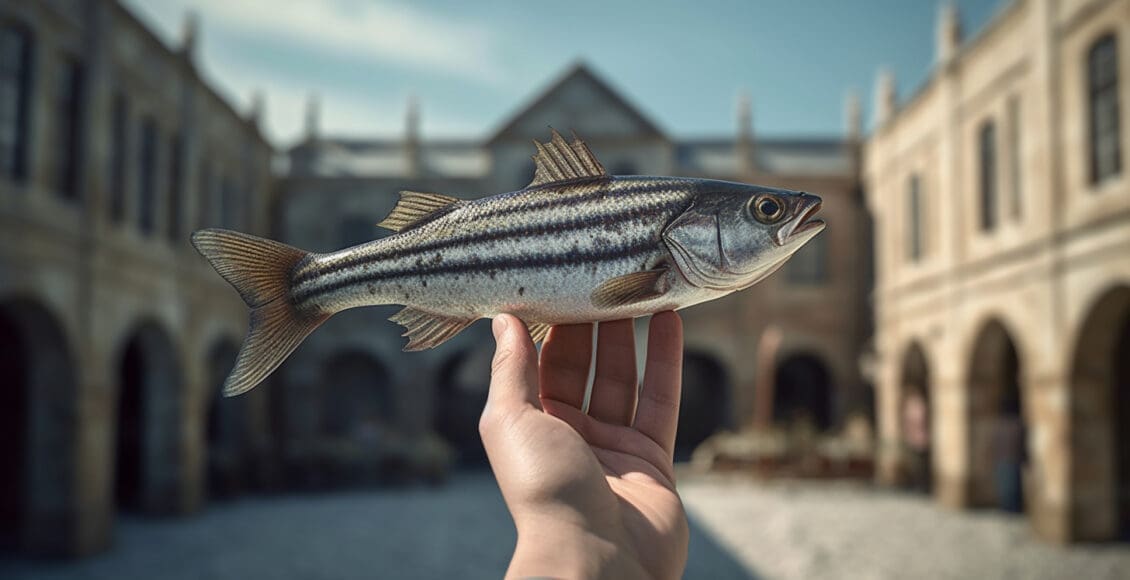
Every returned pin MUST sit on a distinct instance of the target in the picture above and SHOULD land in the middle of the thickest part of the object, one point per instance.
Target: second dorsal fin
(413, 207)
(559, 160)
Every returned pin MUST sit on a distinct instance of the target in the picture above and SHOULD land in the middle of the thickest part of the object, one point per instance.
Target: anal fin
(630, 288)
(426, 330)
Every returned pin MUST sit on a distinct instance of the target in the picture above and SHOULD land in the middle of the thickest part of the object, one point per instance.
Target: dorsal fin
(413, 207)
(559, 160)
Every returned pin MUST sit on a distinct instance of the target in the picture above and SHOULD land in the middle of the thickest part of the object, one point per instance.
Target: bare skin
(592, 495)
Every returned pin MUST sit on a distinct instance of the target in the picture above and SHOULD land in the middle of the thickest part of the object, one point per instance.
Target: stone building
(817, 304)
(113, 332)
(1001, 205)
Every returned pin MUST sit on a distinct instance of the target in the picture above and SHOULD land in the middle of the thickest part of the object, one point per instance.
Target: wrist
(557, 548)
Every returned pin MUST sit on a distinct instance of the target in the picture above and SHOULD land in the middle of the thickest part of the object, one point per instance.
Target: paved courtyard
(739, 530)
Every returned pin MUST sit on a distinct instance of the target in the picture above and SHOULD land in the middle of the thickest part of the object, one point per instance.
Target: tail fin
(260, 270)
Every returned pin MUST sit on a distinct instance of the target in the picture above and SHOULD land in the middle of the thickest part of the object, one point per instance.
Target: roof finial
(885, 98)
(412, 138)
(949, 31)
(853, 116)
(313, 116)
(745, 144)
(190, 32)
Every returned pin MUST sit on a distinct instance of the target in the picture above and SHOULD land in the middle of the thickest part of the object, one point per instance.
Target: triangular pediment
(578, 101)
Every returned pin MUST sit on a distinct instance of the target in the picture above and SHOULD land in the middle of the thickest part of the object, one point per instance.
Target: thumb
(514, 370)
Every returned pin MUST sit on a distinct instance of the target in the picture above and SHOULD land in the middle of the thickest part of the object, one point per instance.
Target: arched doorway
(227, 428)
(37, 431)
(361, 440)
(705, 401)
(149, 424)
(1100, 419)
(915, 420)
(998, 445)
(803, 392)
(464, 379)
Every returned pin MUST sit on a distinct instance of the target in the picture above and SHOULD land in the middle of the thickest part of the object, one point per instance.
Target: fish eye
(767, 209)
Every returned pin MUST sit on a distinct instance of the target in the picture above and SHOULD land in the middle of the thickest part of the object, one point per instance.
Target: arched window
(1102, 71)
(914, 218)
(987, 138)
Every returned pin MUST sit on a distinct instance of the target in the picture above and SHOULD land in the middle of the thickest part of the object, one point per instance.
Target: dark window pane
(228, 204)
(147, 177)
(119, 133)
(914, 219)
(15, 102)
(988, 175)
(808, 267)
(1106, 147)
(176, 186)
(205, 195)
(67, 137)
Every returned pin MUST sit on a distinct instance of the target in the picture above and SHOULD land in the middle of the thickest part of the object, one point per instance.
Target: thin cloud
(391, 33)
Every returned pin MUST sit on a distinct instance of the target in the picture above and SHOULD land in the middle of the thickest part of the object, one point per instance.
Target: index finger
(657, 415)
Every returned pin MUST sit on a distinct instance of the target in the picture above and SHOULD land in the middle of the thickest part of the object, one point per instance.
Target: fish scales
(588, 239)
(575, 245)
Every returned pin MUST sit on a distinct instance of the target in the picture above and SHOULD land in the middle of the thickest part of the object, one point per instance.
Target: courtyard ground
(740, 529)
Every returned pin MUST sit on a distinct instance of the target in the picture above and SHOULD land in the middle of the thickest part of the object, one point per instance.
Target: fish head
(734, 235)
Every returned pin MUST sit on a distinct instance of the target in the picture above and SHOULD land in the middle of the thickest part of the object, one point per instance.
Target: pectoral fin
(426, 330)
(630, 288)
(538, 331)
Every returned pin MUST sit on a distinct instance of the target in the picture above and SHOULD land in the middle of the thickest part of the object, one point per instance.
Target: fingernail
(499, 325)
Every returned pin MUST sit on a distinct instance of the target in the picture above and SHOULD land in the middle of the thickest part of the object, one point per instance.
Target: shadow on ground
(460, 530)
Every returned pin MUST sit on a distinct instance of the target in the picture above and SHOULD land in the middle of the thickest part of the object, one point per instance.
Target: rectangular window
(147, 177)
(988, 175)
(15, 102)
(204, 195)
(119, 146)
(808, 267)
(1015, 158)
(228, 204)
(914, 219)
(67, 134)
(176, 186)
(1106, 145)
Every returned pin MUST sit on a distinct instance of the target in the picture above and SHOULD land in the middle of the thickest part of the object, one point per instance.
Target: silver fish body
(576, 245)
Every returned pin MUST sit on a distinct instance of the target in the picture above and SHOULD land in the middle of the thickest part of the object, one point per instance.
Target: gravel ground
(740, 530)
(849, 530)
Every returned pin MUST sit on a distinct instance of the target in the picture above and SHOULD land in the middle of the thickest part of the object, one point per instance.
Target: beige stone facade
(112, 327)
(1001, 203)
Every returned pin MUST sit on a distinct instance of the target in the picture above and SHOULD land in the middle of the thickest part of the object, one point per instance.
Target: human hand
(592, 495)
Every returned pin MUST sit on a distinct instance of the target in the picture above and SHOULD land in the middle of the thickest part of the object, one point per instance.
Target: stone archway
(227, 435)
(38, 424)
(803, 391)
(464, 380)
(705, 403)
(150, 422)
(998, 442)
(357, 395)
(915, 420)
(1100, 420)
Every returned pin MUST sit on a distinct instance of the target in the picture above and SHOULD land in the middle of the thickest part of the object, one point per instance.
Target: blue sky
(470, 64)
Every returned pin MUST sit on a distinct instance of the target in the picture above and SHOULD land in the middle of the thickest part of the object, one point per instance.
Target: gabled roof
(578, 73)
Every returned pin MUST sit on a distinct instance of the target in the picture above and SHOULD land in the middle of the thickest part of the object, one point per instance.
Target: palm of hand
(608, 473)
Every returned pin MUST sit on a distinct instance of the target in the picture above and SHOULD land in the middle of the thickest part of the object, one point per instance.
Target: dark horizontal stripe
(393, 253)
(487, 265)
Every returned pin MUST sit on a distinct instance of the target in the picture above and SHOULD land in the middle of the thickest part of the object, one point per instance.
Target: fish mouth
(805, 222)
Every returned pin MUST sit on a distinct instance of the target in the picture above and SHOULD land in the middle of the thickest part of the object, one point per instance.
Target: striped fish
(575, 245)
